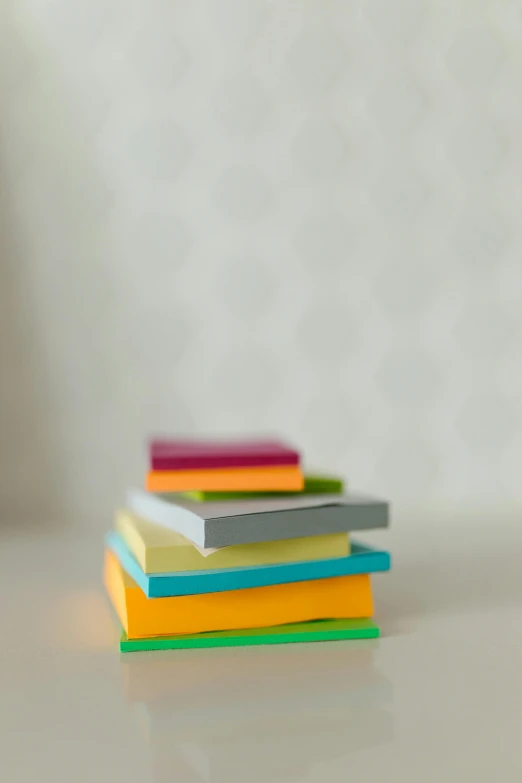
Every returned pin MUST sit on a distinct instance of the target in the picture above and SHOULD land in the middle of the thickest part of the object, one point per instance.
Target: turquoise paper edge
(363, 560)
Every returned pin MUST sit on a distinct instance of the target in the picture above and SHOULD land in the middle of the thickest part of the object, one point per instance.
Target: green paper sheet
(316, 631)
(314, 485)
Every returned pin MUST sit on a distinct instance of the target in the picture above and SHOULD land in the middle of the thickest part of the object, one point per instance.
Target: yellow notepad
(337, 597)
(160, 550)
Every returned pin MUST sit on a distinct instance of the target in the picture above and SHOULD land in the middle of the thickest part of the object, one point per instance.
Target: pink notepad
(190, 454)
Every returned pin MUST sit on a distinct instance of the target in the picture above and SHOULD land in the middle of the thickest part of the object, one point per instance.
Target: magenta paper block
(193, 454)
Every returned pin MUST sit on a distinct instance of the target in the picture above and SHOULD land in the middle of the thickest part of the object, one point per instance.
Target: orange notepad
(337, 597)
(287, 478)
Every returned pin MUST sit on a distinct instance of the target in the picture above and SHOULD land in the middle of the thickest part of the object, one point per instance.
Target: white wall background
(241, 215)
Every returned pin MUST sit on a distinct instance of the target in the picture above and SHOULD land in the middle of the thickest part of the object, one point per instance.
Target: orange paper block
(318, 599)
(287, 478)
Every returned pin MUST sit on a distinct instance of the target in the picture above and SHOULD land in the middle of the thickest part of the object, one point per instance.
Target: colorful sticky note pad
(158, 549)
(363, 561)
(141, 617)
(286, 478)
(229, 523)
(183, 454)
(314, 484)
(318, 631)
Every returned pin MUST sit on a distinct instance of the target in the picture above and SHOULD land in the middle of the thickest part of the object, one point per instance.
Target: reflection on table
(257, 714)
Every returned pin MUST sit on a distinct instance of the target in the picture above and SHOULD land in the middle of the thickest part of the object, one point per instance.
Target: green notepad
(316, 631)
(314, 485)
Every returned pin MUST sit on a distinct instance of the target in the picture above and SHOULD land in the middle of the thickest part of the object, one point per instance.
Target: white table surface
(437, 698)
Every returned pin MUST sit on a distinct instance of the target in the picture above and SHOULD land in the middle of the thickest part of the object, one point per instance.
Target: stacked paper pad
(231, 545)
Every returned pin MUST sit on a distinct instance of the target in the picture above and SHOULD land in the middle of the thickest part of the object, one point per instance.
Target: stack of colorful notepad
(240, 548)
(250, 466)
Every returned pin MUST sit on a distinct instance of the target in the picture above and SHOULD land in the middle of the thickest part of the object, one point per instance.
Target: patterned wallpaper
(249, 215)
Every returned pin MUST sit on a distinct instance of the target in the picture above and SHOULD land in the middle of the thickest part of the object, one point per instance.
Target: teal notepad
(362, 560)
(316, 631)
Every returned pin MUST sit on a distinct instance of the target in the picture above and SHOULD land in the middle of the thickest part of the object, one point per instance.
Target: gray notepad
(228, 523)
